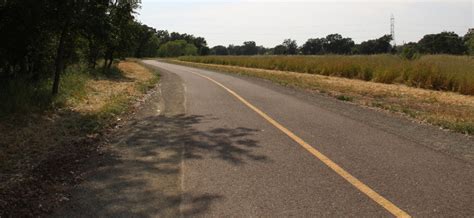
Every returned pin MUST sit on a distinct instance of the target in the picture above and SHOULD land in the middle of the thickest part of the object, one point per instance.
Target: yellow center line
(389, 206)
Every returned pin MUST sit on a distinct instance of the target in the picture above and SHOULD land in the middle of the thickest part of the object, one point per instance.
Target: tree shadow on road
(140, 176)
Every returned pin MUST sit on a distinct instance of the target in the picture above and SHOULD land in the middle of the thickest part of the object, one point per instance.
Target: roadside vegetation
(445, 109)
(437, 72)
(43, 146)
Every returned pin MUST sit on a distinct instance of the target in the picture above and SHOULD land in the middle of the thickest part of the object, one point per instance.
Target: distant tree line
(248, 48)
(441, 43)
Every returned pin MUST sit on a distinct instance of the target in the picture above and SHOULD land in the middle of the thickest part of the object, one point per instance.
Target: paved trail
(223, 145)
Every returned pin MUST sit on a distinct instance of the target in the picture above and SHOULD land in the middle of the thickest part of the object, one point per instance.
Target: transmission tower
(392, 28)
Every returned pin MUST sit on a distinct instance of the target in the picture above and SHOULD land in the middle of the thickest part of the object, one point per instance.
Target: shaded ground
(33, 183)
(44, 153)
(142, 176)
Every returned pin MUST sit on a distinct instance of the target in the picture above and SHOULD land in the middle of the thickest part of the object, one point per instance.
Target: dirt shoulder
(447, 110)
(45, 153)
(140, 172)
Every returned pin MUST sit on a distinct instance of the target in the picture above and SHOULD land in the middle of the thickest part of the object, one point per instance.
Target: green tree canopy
(249, 48)
(336, 44)
(469, 42)
(279, 50)
(313, 46)
(442, 43)
(376, 46)
(219, 50)
(177, 48)
(291, 46)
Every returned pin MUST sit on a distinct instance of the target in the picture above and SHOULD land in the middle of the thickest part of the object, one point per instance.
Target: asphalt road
(235, 146)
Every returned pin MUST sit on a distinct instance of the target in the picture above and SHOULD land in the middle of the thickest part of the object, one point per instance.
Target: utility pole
(392, 29)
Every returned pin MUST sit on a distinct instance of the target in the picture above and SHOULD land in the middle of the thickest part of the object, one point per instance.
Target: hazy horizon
(269, 22)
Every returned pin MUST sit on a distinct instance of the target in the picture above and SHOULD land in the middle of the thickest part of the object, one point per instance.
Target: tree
(94, 30)
(280, 50)
(234, 50)
(199, 42)
(261, 50)
(147, 43)
(442, 43)
(249, 48)
(65, 18)
(288, 47)
(163, 36)
(120, 31)
(190, 50)
(313, 46)
(291, 46)
(219, 50)
(469, 42)
(177, 48)
(40, 37)
(201, 45)
(336, 44)
(26, 40)
(376, 46)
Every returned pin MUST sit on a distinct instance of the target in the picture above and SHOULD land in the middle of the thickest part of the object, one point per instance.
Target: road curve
(242, 165)
(217, 145)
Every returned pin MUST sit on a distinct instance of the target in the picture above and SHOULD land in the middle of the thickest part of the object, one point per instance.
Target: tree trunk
(59, 62)
(108, 58)
(111, 60)
(93, 52)
(104, 67)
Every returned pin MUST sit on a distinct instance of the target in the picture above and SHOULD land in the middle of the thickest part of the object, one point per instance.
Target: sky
(269, 22)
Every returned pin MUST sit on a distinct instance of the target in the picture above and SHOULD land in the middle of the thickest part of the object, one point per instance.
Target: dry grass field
(436, 72)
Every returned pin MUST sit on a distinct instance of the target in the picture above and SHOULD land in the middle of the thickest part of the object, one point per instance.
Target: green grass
(21, 96)
(436, 72)
(72, 85)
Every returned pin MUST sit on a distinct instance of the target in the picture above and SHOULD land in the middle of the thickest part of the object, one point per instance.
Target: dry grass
(99, 92)
(446, 109)
(436, 72)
